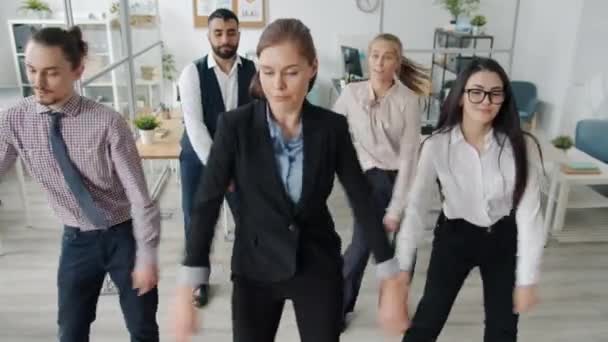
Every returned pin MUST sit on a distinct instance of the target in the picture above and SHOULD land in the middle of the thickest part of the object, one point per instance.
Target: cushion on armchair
(526, 98)
(592, 138)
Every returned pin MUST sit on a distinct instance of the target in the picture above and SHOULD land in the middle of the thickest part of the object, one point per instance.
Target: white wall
(564, 52)
(544, 53)
(334, 23)
(559, 48)
(414, 21)
(587, 90)
(321, 16)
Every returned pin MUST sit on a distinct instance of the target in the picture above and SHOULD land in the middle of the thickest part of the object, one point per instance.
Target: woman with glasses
(488, 173)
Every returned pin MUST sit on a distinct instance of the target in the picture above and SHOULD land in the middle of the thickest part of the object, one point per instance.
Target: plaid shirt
(101, 146)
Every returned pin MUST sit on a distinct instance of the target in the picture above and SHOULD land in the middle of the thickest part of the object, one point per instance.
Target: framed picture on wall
(202, 9)
(251, 13)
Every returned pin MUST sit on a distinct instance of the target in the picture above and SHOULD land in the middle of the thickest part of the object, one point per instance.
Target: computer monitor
(352, 61)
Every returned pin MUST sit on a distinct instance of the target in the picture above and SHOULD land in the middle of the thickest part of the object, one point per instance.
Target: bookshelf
(105, 47)
(101, 52)
(445, 67)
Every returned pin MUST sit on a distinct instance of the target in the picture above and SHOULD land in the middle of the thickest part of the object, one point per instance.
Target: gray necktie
(71, 174)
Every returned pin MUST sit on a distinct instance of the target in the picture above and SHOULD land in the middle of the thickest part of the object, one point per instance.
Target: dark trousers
(85, 259)
(192, 171)
(457, 248)
(317, 301)
(357, 254)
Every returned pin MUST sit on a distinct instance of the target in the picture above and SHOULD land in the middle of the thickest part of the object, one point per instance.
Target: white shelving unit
(105, 47)
(21, 29)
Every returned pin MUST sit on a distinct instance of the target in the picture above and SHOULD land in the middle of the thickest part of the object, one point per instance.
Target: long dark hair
(278, 32)
(505, 123)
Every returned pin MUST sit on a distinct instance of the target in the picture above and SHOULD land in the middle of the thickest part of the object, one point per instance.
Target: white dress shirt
(192, 106)
(477, 187)
(385, 133)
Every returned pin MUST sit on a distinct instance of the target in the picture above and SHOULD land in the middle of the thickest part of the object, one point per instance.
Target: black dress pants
(457, 248)
(317, 299)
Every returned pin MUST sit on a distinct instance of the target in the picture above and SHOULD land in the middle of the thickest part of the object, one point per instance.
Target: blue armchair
(591, 137)
(526, 98)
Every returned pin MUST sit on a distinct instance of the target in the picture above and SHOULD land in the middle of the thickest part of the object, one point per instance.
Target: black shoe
(200, 297)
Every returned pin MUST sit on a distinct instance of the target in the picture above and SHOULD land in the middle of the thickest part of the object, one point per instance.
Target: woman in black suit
(283, 152)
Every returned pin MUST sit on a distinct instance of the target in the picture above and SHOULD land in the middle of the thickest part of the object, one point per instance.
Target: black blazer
(275, 237)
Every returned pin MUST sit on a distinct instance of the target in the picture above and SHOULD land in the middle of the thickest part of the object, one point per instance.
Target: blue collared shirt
(289, 155)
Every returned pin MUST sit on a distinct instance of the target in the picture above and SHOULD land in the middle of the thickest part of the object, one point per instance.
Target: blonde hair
(410, 73)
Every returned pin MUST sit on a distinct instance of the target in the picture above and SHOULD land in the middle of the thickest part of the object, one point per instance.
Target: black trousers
(317, 301)
(457, 248)
(357, 254)
(192, 171)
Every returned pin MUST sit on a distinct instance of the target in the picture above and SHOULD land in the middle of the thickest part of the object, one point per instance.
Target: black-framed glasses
(477, 96)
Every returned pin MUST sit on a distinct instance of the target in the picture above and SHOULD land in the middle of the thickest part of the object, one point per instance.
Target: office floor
(574, 293)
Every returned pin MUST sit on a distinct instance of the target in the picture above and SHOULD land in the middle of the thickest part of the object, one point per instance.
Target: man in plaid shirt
(84, 156)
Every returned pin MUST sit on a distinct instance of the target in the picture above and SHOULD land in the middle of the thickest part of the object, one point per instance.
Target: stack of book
(580, 168)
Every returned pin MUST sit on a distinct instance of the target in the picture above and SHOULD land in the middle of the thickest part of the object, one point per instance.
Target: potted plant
(37, 7)
(169, 76)
(115, 14)
(478, 22)
(459, 7)
(114, 8)
(169, 69)
(563, 142)
(146, 124)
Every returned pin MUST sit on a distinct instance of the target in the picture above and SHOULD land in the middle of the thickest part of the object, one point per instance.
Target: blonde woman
(384, 115)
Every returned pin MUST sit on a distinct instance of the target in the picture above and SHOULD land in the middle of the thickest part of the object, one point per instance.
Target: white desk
(168, 148)
(568, 191)
(165, 148)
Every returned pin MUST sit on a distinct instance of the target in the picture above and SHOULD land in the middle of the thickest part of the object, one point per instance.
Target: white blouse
(385, 133)
(477, 187)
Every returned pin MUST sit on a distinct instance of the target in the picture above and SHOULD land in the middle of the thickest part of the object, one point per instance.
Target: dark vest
(211, 96)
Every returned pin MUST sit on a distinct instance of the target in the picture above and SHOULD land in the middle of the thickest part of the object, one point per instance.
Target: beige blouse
(385, 132)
